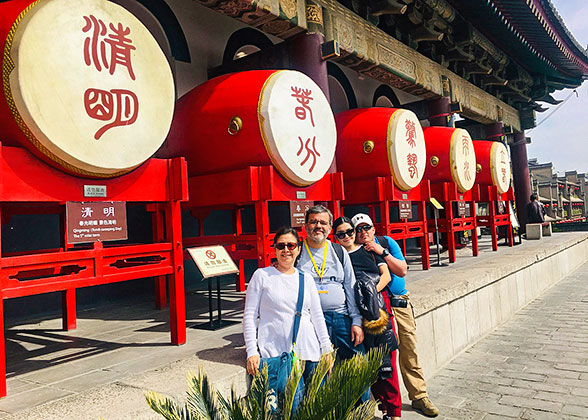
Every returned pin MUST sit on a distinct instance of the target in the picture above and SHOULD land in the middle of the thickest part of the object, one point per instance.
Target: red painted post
(450, 233)
(2, 351)
(177, 300)
(68, 297)
(475, 227)
(425, 260)
(262, 227)
(240, 276)
(158, 237)
(2, 338)
(68, 306)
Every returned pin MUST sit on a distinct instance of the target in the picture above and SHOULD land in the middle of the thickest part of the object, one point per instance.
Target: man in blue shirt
(412, 373)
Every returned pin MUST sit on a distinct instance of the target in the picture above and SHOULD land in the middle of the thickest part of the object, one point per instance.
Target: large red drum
(493, 166)
(85, 86)
(381, 142)
(450, 157)
(252, 118)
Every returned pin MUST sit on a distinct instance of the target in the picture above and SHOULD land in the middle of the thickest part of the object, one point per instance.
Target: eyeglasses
(348, 232)
(365, 228)
(281, 245)
(316, 221)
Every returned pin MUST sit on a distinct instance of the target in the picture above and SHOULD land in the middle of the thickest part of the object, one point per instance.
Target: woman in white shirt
(272, 295)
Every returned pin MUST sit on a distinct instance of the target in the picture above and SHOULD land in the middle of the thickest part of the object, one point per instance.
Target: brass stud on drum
(478, 168)
(434, 161)
(368, 146)
(235, 126)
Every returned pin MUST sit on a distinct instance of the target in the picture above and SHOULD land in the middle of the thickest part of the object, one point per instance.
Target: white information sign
(213, 261)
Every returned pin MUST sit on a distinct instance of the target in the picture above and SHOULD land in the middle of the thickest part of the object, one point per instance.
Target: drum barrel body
(10, 133)
(492, 163)
(200, 128)
(379, 142)
(450, 157)
(255, 118)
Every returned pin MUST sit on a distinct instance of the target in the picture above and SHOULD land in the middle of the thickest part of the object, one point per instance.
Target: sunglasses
(343, 233)
(280, 246)
(365, 228)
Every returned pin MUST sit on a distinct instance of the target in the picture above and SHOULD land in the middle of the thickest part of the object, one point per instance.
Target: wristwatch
(385, 253)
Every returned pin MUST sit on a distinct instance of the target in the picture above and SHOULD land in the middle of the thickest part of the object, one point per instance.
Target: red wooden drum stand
(494, 219)
(447, 194)
(493, 178)
(382, 193)
(382, 154)
(30, 186)
(259, 186)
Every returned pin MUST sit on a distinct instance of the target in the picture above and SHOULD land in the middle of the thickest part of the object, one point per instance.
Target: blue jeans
(339, 328)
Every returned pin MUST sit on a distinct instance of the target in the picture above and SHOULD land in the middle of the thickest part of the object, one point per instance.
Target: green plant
(329, 397)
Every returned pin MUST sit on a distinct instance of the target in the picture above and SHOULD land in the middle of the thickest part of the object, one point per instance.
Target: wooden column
(520, 174)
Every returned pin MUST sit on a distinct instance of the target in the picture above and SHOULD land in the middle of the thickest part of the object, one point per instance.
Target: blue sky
(562, 138)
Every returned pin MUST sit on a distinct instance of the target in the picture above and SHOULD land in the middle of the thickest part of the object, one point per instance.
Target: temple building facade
(564, 197)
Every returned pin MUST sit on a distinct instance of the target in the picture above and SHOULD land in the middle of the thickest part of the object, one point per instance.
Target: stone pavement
(535, 366)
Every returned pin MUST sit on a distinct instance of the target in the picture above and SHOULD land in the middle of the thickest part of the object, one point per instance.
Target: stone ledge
(441, 286)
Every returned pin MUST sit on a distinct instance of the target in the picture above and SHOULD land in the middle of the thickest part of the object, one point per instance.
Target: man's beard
(318, 236)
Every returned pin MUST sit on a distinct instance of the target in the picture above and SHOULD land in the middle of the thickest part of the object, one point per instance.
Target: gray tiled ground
(533, 367)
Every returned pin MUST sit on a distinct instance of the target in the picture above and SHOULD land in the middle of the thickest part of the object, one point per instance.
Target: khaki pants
(412, 373)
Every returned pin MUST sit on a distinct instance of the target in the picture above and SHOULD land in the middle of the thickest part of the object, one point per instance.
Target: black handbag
(280, 367)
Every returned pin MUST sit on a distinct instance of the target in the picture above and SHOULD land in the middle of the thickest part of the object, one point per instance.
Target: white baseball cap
(360, 218)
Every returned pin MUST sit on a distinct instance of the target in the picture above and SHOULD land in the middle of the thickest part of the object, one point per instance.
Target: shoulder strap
(298, 313)
(384, 242)
(339, 252)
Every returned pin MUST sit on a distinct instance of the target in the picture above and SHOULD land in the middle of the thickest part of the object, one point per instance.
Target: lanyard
(322, 272)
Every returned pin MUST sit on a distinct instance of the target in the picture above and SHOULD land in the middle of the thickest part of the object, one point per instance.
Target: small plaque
(301, 195)
(213, 261)
(405, 209)
(404, 196)
(461, 208)
(461, 198)
(94, 190)
(436, 204)
(298, 211)
(95, 221)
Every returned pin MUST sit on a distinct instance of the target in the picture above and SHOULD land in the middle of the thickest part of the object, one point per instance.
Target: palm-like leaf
(333, 398)
(203, 399)
(343, 388)
(290, 391)
(320, 372)
(167, 407)
(364, 412)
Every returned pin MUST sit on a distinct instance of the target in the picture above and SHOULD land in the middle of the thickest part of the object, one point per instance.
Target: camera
(398, 303)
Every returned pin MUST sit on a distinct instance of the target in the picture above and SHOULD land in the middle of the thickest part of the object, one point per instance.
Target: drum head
(88, 85)
(500, 167)
(297, 126)
(462, 160)
(407, 152)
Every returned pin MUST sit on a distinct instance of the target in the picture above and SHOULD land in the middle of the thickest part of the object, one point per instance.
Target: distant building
(564, 197)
